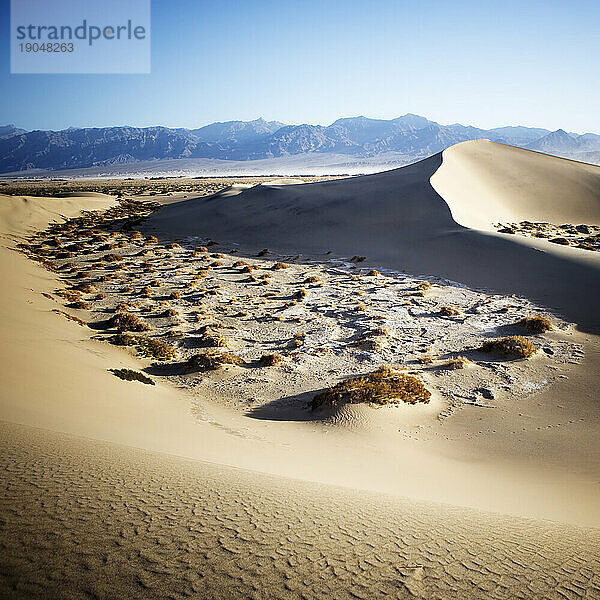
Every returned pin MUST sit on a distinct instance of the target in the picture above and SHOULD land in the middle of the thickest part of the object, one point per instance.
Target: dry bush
(213, 338)
(460, 362)
(112, 258)
(123, 321)
(300, 294)
(80, 305)
(217, 255)
(279, 265)
(424, 286)
(270, 360)
(384, 386)
(145, 346)
(535, 324)
(217, 263)
(513, 346)
(312, 279)
(129, 375)
(358, 258)
(211, 360)
(146, 292)
(249, 268)
(172, 246)
(175, 295)
(201, 249)
(86, 288)
(263, 252)
(239, 263)
(170, 312)
(449, 311)
(373, 273)
(151, 240)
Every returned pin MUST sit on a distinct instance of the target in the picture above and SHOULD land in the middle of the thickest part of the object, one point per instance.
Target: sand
(201, 493)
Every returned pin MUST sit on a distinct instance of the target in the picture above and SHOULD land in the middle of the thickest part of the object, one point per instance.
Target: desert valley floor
(219, 471)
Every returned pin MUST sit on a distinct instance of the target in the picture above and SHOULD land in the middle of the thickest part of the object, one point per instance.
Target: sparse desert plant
(513, 346)
(211, 360)
(300, 294)
(239, 263)
(151, 240)
(263, 252)
(361, 307)
(100, 296)
(146, 292)
(86, 288)
(383, 386)
(270, 360)
(130, 375)
(112, 257)
(172, 246)
(123, 321)
(424, 286)
(170, 312)
(217, 255)
(155, 283)
(535, 324)
(249, 268)
(358, 258)
(312, 279)
(460, 362)
(380, 331)
(217, 263)
(213, 338)
(449, 311)
(278, 266)
(201, 249)
(80, 305)
(373, 273)
(560, 240)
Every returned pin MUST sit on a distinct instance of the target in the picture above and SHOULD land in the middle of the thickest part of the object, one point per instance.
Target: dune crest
(484, 182)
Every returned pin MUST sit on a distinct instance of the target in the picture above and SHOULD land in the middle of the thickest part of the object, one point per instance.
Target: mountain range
(410, 136)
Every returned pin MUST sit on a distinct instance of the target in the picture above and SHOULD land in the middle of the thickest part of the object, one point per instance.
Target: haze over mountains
(408, 138)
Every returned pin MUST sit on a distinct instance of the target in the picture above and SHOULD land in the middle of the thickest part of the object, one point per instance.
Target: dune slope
(398, 220)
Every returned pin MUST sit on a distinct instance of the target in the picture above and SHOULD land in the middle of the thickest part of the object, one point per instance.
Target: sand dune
(276, 526)
(397, 219)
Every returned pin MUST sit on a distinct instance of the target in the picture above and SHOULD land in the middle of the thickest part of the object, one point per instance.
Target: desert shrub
(112, 258)
(513, 346)
(146, 292)
(123, 321)
(155, 283)
(361, 307)
(300, 294)
(123, 339)
(129, 375)
(100, 296)
(213, 338)
(211, 360)
(172, 246)
(270, 360)
(535, 324)
(69, 295)
(449, 311)
(170, 312)
(460, 362)
(358, 258)
(249, 268)
(239, 263)
(424, 286)
(80, 305)
(383, 386)
(201, 249)
(175, 295)
(560, 240)
(86, 288)
(217, 255)
(217, 263)
(279, 265)
(312, 279)
(152, 239)
(380, 331)
(263, 252)
(373, 273)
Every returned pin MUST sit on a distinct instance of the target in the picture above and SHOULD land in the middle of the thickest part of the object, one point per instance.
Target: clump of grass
(130, 375)
(123, 321)
(80, 305)
(86, 288)
(513, 346)
(535, 324)
(300, 294)
(112, 257)
(424, 286)
(69, 317)
(175, 295)
(172, 246)
(373, 273)
(238, 264)
(270, 360)
(145, 346)
(213, 338)
(278, 266)
(249, 268)
(383, 386)
(560, 240)
(460, 362)
(312, 279)
(211, 360)
(146, 292)
(152, 239)
(170, 312)
(449, 311)
(380, 331)
(69, 295)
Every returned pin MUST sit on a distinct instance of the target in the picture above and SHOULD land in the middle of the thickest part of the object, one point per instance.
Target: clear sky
(531, 62)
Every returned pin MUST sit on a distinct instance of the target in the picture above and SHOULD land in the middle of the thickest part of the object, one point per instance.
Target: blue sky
(474, 62)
